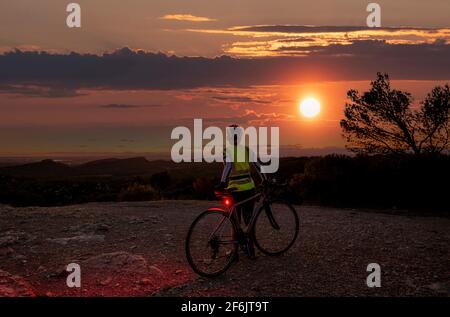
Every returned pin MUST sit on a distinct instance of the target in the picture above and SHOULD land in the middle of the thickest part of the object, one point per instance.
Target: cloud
(265, 40)
(27, 90)
(118, 106)
(186, 17)
(240, 99)
(256, 118)
(125, 69)
(126, 106)
(251, 117)
(308, 31)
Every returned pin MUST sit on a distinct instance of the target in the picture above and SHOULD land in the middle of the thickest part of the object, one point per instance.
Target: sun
(310, 107)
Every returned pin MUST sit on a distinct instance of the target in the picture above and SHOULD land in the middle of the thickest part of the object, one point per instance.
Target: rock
(90, 228)
(8, 240)
(20, 257)
(78, 239)
(156, 269)
(58, 273)
(6, 251)
(134, 221)
(102, 227)
(145, 281)
(14, 286)
(106, 282)
(41, 268)
(117, 261)
(440, 288)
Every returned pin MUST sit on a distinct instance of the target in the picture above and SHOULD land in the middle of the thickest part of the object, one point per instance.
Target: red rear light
(227, 201)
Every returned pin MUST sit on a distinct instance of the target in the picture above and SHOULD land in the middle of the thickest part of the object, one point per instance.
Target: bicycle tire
(189, 257)
(261, 212)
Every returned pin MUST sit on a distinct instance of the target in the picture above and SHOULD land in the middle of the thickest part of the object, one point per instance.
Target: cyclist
(236, 178)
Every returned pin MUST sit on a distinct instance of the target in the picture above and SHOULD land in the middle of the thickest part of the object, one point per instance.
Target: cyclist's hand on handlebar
(272, 182)
(269, 181)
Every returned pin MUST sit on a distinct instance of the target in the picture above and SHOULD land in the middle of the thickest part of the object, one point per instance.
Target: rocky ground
(137, 249)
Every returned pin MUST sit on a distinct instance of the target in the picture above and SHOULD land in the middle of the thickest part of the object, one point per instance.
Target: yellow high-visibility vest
(240, 178)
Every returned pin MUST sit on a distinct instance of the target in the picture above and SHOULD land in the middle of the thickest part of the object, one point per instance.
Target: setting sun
(310, 107)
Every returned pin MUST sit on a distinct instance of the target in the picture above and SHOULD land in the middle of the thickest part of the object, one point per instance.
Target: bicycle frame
(230, 211)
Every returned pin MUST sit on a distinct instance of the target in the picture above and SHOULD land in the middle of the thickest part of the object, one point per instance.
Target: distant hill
(122, 167)
(135, 166)
(104, 167)
(45, 168)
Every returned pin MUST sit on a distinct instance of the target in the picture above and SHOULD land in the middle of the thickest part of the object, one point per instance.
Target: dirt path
(138, 249)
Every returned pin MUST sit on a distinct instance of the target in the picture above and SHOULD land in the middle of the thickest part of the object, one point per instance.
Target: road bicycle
(213, 239)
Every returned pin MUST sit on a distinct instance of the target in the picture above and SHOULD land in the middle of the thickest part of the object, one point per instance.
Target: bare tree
(383, 120)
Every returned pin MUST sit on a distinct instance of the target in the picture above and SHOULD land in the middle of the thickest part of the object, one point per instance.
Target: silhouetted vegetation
(383, 120)
(403, 182)
(379, 181)
(161, 182)
(138, 192)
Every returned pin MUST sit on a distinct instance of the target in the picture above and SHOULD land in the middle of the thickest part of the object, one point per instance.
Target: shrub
(203, 188)
(138, 192)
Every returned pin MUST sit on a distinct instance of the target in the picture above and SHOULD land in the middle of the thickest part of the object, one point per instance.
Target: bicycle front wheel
(211, 246)
(276, 228)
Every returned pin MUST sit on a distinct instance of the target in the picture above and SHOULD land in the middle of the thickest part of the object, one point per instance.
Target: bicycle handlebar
(274, 184)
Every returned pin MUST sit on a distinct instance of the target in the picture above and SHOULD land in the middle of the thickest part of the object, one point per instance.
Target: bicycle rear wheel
(276, 228)
(210, 243)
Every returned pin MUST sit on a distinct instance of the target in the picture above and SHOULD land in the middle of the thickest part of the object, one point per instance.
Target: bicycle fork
(269, 213)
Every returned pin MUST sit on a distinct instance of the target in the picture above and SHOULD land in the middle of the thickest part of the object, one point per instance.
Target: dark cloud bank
(127, 69)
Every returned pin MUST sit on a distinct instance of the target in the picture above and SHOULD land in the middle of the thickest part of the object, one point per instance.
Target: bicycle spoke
(210, 244)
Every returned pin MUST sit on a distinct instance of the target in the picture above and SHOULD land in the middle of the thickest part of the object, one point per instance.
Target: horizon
(80, 158)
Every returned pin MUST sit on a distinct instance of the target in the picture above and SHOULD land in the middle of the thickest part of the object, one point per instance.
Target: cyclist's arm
(226, 171)
(227, 167)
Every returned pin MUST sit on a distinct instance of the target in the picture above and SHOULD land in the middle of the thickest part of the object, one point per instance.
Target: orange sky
(107, 103)
(140, 121)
